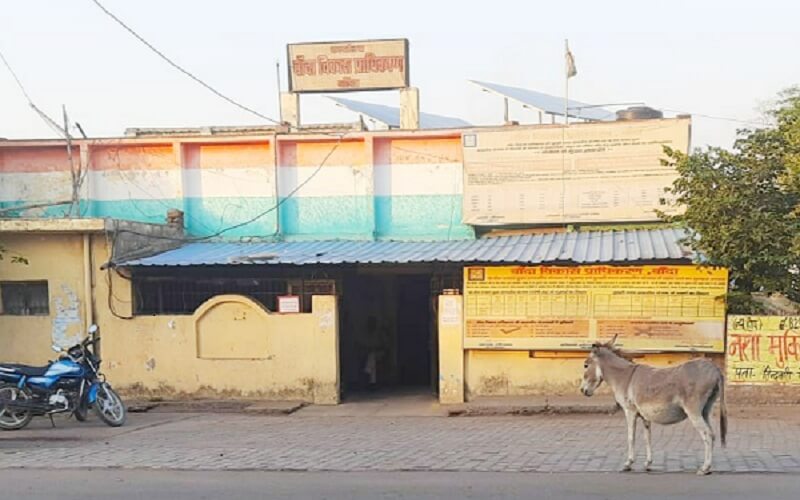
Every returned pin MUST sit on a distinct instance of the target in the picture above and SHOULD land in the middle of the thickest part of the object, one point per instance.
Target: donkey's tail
(723, 411)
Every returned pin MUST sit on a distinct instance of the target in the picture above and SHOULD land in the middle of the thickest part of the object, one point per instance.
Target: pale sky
(725, 58)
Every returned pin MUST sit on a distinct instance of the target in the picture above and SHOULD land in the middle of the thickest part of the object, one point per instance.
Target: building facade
(362, 230)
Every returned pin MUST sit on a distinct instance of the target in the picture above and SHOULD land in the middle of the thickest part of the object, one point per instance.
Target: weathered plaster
(67, 319)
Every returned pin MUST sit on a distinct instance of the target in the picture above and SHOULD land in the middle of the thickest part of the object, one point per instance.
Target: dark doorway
(413, 330)
(386, 337)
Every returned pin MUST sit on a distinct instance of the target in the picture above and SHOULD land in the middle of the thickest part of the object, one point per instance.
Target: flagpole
(566, 82)
(563, 133)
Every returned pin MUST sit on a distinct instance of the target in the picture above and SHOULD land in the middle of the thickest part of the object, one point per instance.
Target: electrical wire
(722, 118)
(16, 78)
(112, 241)
(271, 209)
(76, 176)
(49, 121)
(284, 199)
(444, 159)
(52, 123)
(124, 177)
(180, 68)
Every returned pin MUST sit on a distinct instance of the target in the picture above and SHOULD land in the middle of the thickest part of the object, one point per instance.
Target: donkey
(661, 395)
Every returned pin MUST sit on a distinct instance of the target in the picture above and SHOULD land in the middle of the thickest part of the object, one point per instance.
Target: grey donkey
(661, 395)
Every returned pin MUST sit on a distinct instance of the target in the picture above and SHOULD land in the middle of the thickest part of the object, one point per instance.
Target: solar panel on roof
(390, 115)
(551, 104)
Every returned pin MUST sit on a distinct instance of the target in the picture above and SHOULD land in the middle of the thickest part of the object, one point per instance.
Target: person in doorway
(375, 345)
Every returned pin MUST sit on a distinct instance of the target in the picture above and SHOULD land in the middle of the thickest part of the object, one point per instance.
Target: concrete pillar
(290, 108)
(409, 108)
(451, 349)
(325, 350)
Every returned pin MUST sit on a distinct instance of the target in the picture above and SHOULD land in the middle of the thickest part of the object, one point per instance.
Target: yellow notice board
(763, 350)
(650, 308)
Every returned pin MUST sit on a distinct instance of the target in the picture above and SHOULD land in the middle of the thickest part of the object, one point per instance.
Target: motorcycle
(71, 384)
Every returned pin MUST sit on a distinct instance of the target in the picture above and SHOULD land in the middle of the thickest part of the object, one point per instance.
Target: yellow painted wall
(295, 358)
(57, 258)
(516, 373)
(255, 353)
(466, 374)
(234, 327)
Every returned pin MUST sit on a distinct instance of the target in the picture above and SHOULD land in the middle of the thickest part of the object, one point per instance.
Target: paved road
(555, 443)
(174, 485)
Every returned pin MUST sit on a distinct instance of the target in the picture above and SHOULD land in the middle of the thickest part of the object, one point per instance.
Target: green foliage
(743, 205)
(14, 258)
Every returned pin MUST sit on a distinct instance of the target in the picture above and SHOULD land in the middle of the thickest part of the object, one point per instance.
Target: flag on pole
(571, 70)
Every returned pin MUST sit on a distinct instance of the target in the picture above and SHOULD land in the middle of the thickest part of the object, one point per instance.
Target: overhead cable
(49, 121)
(180, 68)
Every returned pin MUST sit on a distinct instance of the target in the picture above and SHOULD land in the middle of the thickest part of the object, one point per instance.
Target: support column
(409, 108)
(88, 310)
(451, 349)
(326, 384)
(290, 108)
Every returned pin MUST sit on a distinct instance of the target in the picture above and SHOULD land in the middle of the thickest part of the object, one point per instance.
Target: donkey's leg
(707, 409)
(704, 430)
(648, 448)
(631, 417)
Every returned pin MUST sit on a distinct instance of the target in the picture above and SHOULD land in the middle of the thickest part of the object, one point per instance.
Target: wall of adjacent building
(381, 185)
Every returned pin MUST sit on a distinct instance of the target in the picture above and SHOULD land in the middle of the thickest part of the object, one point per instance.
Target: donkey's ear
(613, 341)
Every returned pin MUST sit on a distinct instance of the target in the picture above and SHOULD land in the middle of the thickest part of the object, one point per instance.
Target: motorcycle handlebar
(90, 341)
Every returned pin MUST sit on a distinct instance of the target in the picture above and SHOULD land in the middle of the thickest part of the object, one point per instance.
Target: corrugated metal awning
(575, 247)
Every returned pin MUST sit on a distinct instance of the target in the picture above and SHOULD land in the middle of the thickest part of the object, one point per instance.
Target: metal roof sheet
(390, 115)
(548, 103)
(573, 247)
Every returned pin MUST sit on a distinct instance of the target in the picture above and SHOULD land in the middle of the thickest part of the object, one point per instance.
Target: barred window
(169, 295)
(24, 298)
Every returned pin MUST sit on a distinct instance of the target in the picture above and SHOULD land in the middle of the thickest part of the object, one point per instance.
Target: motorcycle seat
(27, 370)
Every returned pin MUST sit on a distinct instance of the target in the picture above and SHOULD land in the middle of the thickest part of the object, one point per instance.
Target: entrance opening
(414, 337)
(387, 335)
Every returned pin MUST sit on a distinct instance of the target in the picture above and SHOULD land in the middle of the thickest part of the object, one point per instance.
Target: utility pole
(74, 201)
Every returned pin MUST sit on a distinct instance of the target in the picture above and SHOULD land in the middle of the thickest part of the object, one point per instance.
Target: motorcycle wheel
(11, 420)
(109, 406)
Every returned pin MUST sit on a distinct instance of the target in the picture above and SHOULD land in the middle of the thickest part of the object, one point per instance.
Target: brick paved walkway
(539, 443)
